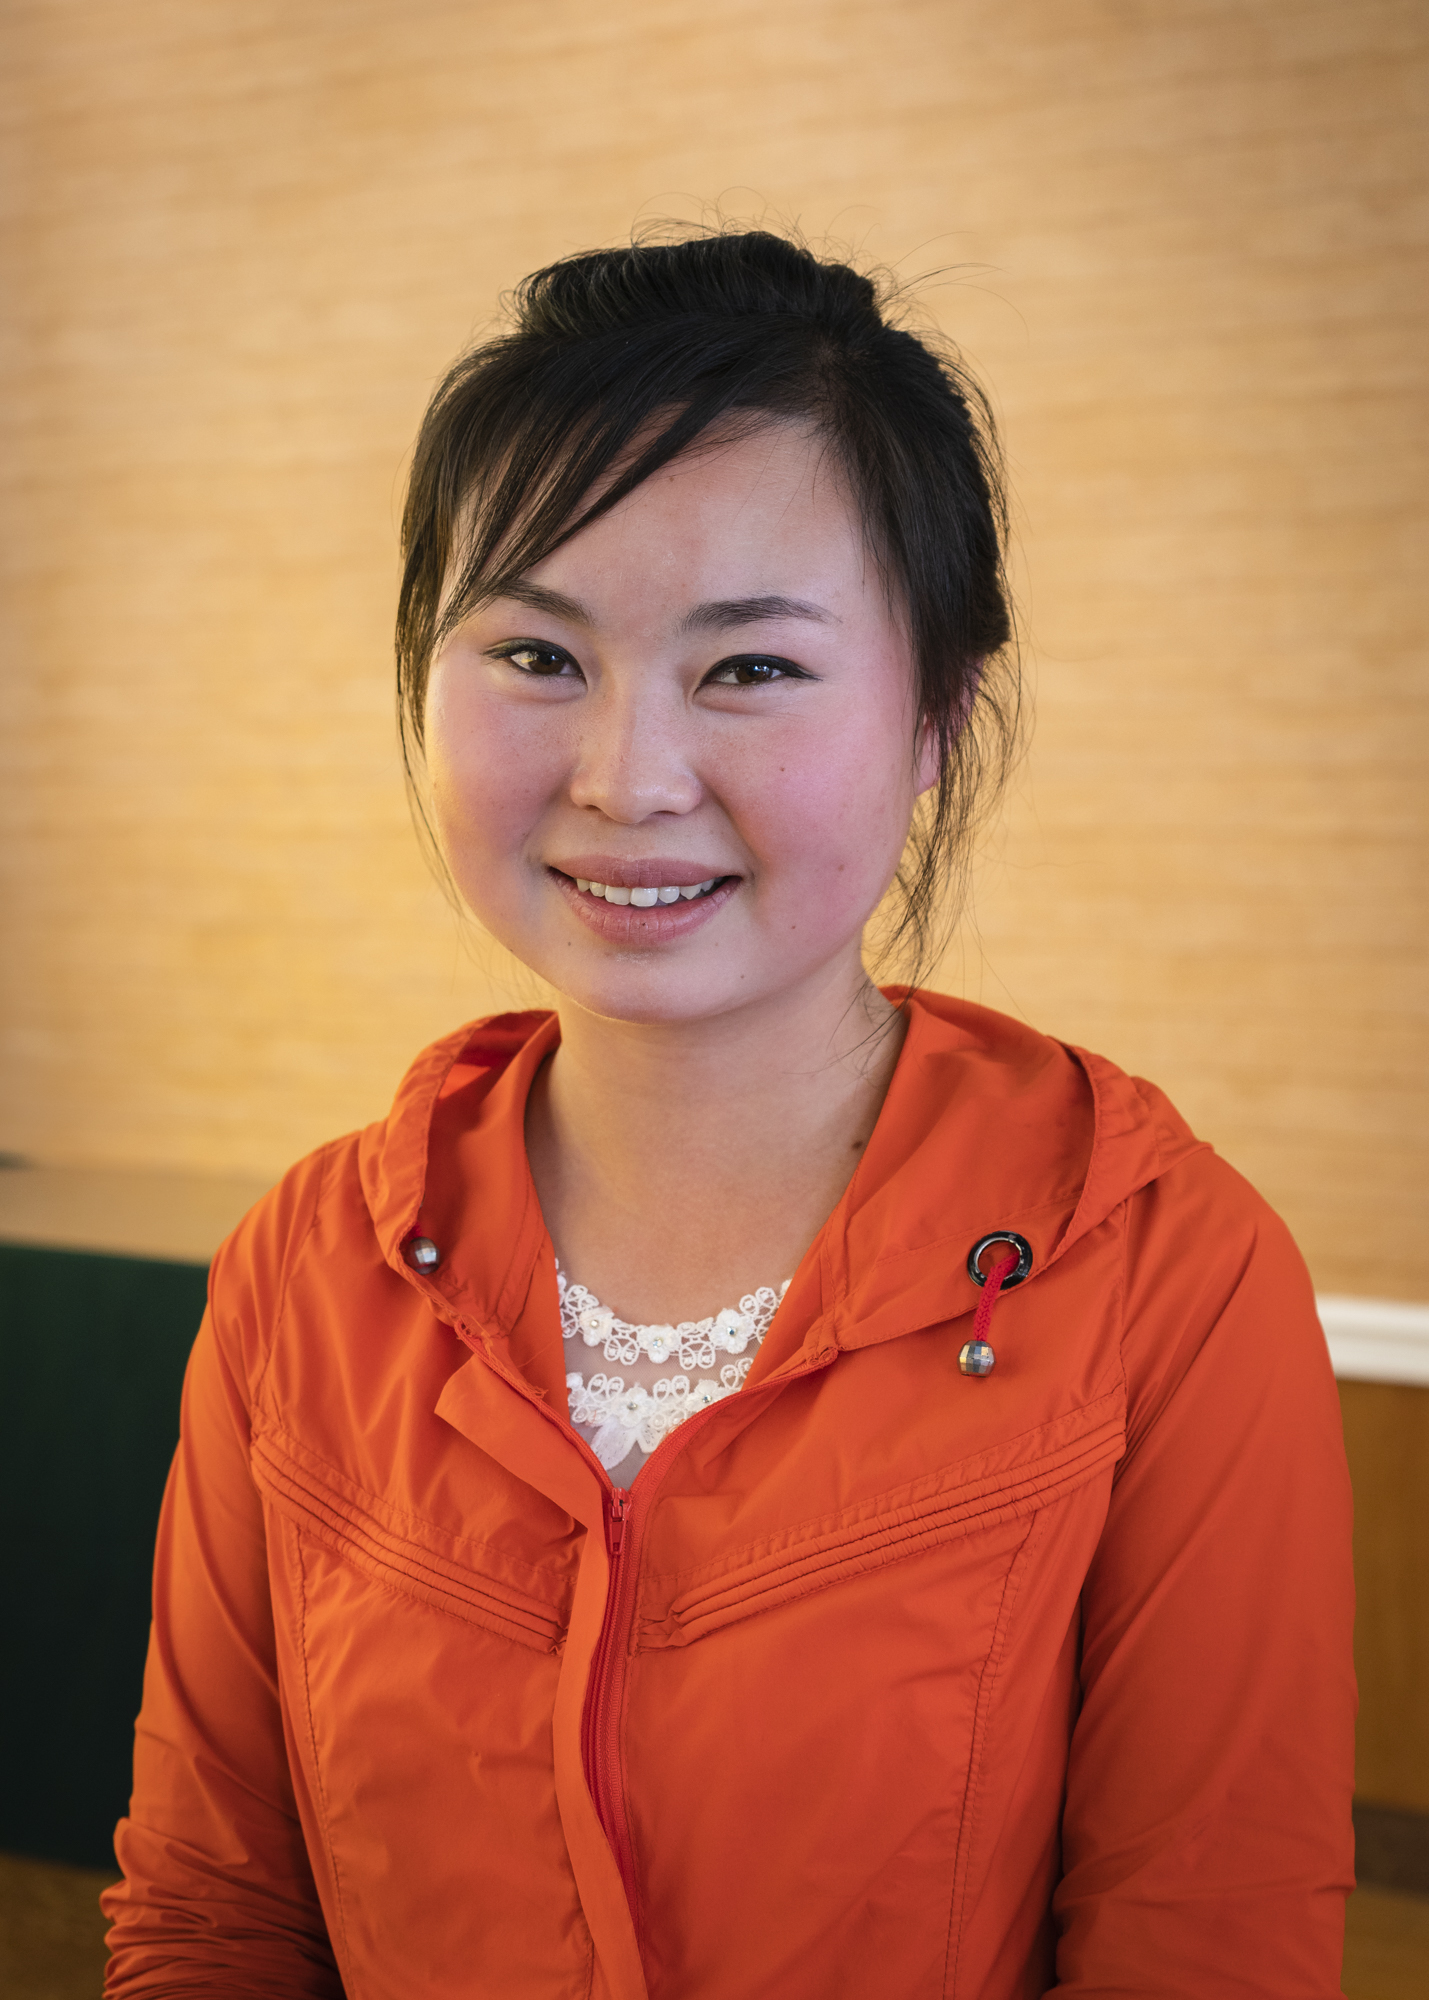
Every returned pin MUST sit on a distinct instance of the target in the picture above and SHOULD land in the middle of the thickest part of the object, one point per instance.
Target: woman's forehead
(751, 449)
(752, 511)
(764, 498)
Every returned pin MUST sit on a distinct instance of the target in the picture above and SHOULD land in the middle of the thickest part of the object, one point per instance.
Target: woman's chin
(639, 990)
(645, 997)
(647, 975)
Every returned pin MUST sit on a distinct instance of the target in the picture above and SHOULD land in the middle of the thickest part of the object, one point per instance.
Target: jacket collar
(987, 1125)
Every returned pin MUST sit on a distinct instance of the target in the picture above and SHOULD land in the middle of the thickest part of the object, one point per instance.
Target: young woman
(747, 1484)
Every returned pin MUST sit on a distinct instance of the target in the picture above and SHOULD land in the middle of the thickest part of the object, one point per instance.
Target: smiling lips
(657, 901)
(645, 898)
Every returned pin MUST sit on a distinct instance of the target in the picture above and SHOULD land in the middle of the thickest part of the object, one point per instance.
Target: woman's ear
(928, 764)
(928, 760)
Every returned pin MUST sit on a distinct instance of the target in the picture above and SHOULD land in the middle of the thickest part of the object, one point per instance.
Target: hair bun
(754, 274)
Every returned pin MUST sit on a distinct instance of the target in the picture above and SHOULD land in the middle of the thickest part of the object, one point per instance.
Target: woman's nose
(633, 760)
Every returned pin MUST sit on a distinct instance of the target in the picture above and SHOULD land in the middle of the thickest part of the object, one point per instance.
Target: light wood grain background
(1184, 242)
(1182, 239)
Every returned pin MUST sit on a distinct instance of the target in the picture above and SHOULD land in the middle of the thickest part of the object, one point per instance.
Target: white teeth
(645, 899)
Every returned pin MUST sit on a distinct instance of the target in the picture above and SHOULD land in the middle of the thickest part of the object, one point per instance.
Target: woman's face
(704, 703)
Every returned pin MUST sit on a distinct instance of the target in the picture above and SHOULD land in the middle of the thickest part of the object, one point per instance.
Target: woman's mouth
(647, 898)
(649, 913)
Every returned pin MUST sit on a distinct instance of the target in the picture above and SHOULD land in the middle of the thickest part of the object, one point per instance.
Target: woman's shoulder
(1115, 1145)
(354, 1197)
(253, 1269)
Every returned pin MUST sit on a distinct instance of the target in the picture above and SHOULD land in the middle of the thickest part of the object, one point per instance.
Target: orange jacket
(884, 1682)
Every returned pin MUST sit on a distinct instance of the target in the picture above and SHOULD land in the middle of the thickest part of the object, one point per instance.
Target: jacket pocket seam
(895, 1543)
(310, 1470)
(461, 1594)
(959, 1475)
(973, 1789)
(882, 1542)
(319, 1789)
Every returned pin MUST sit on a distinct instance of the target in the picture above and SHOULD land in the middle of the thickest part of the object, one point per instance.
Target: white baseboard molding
(1377, 1340)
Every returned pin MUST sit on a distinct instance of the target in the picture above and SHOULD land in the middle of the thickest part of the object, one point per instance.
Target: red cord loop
(997, 1277)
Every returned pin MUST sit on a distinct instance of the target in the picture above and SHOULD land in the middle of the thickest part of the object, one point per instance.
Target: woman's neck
(680, 1164)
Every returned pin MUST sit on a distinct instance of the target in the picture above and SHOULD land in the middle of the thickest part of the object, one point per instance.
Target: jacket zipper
(605, 1691)
(625, 1515)
(605, 1688)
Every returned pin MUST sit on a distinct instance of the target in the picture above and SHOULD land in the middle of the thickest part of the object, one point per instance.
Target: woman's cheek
(841, 806)
(491, 775)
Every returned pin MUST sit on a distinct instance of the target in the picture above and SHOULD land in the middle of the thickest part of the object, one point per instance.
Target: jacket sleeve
(1207, 1844)
(218, 1897)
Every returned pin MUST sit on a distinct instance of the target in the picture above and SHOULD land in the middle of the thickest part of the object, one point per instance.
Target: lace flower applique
(694, 1341)
(624, 1417)
(637, 1415)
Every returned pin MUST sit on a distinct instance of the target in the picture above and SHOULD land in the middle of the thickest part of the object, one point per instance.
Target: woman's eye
(533, 658)
(753, 672)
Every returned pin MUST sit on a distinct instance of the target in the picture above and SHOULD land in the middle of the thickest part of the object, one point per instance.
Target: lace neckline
(614, 1419)
(696, 1341)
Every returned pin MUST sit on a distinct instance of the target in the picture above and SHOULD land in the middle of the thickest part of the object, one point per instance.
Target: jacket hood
(987, 1125)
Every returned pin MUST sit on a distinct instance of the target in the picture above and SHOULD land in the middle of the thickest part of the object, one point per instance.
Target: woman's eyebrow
(718, 614)
(721, 614)
(536, 597)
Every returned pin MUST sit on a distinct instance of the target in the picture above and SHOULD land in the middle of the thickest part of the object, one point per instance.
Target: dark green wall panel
(92, 1354)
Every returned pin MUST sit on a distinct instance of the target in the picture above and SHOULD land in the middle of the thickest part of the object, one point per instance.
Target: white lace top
(623, 1417)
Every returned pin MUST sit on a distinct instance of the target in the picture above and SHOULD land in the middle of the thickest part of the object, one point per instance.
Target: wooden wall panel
(1387, 1439)
(241, 242)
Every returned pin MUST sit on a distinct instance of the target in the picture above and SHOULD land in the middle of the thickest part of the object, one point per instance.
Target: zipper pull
(615, 1521)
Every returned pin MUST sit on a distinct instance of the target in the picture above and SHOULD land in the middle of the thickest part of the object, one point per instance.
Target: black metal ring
(1018, 1243)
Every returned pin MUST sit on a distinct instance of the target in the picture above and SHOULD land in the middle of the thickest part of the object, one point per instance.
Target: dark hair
(633, 354)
